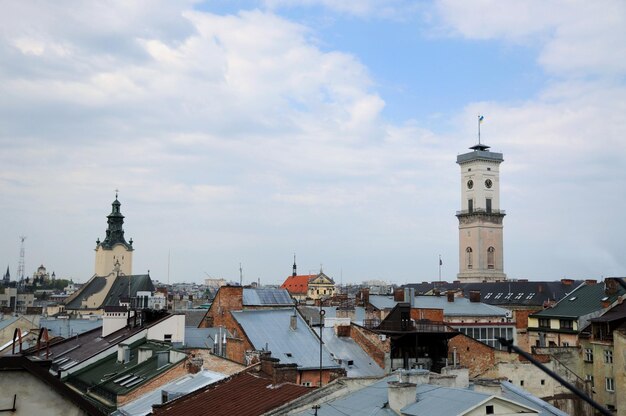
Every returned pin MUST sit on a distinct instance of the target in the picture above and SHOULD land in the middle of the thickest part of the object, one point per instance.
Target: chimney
(540, 288)
(610, 286)
(400, 395)
(162, 358)
(143, 354)
(567, 282)
(293, 322)
(590, 282)
(474, 296)
(398, 295)
(366, 296)
(123, 353)
(450, 294)
(280, 373)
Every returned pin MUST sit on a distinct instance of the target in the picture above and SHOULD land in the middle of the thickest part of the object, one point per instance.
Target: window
(588, 355)
(519, 296)
(306, 383)
(488, 205)
(489, 410)
(544, 323)
(565, 344)
(488, 295)
(167, 337)
(491, 257)
(567, 324)
(521, 382)
(543, 382)
(608, 356)
(530, 295)
(498, 296)
(508, 295)
(609, 384)
(589, 378)
(470, 205)
(468, 253)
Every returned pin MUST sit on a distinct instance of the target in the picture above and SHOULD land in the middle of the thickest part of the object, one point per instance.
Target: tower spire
(294, 273)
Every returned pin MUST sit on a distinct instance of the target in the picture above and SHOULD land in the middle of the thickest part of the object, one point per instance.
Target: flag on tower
(480, 119)
(440, 262)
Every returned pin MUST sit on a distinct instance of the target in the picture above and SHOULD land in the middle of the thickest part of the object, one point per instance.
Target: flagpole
(440, 268)
(478, 129)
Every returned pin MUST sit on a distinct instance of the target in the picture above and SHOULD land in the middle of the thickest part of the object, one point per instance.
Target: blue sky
(242, 132)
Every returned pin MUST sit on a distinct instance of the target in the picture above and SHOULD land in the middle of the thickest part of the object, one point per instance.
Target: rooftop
(460, 306)
(351, 356)
(247, 393)
(266, 297)
(297, 284)
(270, 330)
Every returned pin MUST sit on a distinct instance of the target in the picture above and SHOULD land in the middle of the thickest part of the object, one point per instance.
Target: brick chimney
(400, 395)
(591, 282)
(567, 282)
(280, 373)
(610, 286)
(398, 295)
(474, 296)
(293, 321)
(450, 295)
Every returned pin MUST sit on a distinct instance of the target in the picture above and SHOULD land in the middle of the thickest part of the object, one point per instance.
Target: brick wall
(371, 343)
(474, 355)
(434, 315)
(236, 349)
(228, 298)
(313, 376)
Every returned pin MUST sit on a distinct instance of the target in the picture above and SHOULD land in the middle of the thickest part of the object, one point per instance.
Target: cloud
(574, 38)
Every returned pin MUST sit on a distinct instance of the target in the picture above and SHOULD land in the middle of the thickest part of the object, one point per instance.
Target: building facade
(481, 256)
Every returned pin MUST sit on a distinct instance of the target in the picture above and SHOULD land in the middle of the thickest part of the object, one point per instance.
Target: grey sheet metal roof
(582, 301)
(521, 396)
(266, 297)
(460, 306)
(68, 327)
(269, 329)
(202, 337)
(187, 384)
(7, 322)
(94, 285)
(356, 362)
(371, 400)
(449, 401)
(119, 289)
(193, 317)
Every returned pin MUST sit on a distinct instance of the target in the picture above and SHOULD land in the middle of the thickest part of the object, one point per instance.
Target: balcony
(481, 211)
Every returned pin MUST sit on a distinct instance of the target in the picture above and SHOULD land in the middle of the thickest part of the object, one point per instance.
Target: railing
(481, 211)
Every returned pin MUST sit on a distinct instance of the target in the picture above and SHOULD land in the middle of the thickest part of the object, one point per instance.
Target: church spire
(295, 273)
(115, 229)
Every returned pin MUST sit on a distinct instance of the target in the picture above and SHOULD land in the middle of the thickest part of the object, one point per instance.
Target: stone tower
(114, 253)
(481, 255)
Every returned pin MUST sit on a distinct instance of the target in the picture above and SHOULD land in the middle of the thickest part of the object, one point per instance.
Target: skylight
(572, 298)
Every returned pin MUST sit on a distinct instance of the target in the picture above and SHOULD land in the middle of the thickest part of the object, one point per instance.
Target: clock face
(488, 183)
(470, 184)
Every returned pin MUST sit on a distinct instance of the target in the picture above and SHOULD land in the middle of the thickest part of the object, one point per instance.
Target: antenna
(240, 275)
(21, 266)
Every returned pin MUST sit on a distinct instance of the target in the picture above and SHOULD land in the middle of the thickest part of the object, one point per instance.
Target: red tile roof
(297, 285)
(248, 393)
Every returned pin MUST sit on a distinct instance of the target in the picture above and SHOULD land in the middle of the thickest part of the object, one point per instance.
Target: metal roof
(266, 297)
(243, 394)
(184, 385)
(460, 306)
(582, 301)
(356, 362)
(370, 400)
(449, 401)
(8, 322)
(203, 337)
(269, 329)
(69, 327)
(520, 395)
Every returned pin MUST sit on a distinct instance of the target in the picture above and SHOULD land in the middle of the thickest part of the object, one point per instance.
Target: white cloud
(575, 37)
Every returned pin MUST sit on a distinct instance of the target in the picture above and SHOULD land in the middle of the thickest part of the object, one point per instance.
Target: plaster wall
(34, 397)
(106, 260)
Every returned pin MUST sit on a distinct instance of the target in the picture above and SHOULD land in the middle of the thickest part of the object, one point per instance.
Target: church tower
(481, 256)
(114, 253)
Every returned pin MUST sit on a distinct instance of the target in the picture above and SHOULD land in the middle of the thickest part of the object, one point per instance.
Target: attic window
(572, 298)
(488, 295)
(519, 296)
(530, 295)
(508, 295)
(498, 296)
(604, 299)
(288, 354)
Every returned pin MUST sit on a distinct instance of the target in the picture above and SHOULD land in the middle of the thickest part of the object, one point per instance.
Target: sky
(244, 132)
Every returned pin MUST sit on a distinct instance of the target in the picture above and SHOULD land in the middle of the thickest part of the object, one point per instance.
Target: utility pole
(21, 267)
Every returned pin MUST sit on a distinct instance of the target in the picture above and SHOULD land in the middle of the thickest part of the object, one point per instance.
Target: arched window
(491, 257)
(468, 255)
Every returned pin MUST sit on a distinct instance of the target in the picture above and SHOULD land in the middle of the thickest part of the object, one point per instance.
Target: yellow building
(321, 286)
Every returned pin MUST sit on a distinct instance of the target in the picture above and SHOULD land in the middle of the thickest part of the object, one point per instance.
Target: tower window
(491, 257)
(468, 254)
(470, 205)
(488, 205)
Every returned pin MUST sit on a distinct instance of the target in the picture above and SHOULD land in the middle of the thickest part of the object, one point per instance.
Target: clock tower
(481, 256)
